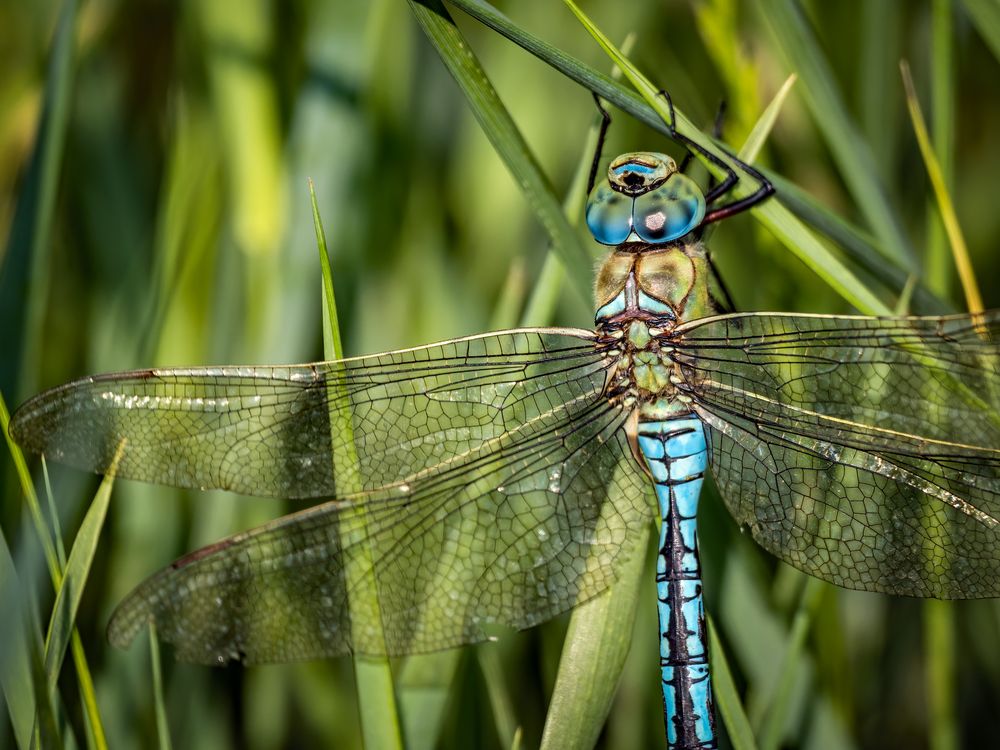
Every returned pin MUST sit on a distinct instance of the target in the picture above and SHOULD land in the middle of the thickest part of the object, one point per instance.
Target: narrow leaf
(380, 725)
(78, 565)
(727, 698)
(499, 127)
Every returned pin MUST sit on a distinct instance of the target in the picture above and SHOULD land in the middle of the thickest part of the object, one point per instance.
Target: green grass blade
(499, 127)
(598, 640)
(878, 91)
(159, 706)
(15, 647)
(424, 687)
(88, 695)
(938, 268)
(791, 663)
(380, 725)
(782, 223)
(727, 699)
(985, 15)
(25, 272)
(74, 579)
(795, 40)
(959, 250)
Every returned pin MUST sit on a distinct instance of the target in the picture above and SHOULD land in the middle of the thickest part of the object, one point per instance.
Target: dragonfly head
(645, 199)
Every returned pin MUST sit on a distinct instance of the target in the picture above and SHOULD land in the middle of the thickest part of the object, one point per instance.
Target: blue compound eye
(609, 215)
(669, 212)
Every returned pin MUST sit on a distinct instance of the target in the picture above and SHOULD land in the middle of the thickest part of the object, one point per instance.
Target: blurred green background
(178, 230)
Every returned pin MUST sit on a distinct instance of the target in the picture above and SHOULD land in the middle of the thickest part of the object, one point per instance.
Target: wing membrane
(493, 487)
(865, 451)
(266, 430)
(523, 528)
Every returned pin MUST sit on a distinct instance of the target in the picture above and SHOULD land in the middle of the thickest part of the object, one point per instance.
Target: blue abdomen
(676, 455)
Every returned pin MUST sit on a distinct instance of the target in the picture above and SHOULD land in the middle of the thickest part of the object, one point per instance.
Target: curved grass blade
(959, 250)
(727, 698)
(376, 697)
(15, 648)
(596, 645)
(88, 696)
(851, 153)
(499, 127)
(74, 578)
(985, 15)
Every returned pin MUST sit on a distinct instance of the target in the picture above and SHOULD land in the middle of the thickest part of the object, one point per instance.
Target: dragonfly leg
(602, 136)
(720, 116)
(764, 186)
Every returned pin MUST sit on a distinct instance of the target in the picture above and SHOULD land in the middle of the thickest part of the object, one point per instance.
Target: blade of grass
(159, 707)
(728, 699)
(781, 703)
(15, 647)
(879, 27)
(88, 695)
(74, 578)
(959, 250)
(778, 219)
(380, 725)
(938, 268)
(499, 127)
(597, 642)
(795, 40)
(25, 273)
(985, 15)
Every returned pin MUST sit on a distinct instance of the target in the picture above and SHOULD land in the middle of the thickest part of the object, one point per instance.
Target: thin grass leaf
(795, 40)
(940, 680)
(424, 689)
(380, 725)
(765, 124)
(24, 276)
(597, 642)
(985, 15)
(499, 127)
(501, 700)
(792, 663)
(959, 250)
(74, 579)
(159, 706)
(95, 726)
(727, 699)
(778, 219)
(938, 267)
(878, 100)
(15, 647)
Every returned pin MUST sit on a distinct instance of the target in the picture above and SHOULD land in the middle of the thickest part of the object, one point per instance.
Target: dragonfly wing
(267, 430)
(523, 528)
(864, 451)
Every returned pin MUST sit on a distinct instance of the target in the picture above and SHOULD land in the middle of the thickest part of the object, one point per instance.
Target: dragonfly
(503, 478)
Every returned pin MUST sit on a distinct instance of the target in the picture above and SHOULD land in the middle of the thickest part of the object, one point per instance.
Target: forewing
(525, 526)
(865, 451)
(266, 430)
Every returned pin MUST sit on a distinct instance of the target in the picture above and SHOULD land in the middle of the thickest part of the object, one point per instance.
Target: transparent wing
(266, 430)
(497, 490)
(865, 451)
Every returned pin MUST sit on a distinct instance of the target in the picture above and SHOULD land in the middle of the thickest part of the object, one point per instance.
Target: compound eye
(669, 212)
(609, 215)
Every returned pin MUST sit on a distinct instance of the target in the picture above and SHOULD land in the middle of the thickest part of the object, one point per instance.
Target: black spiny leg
(601, 137)
(764, 186)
